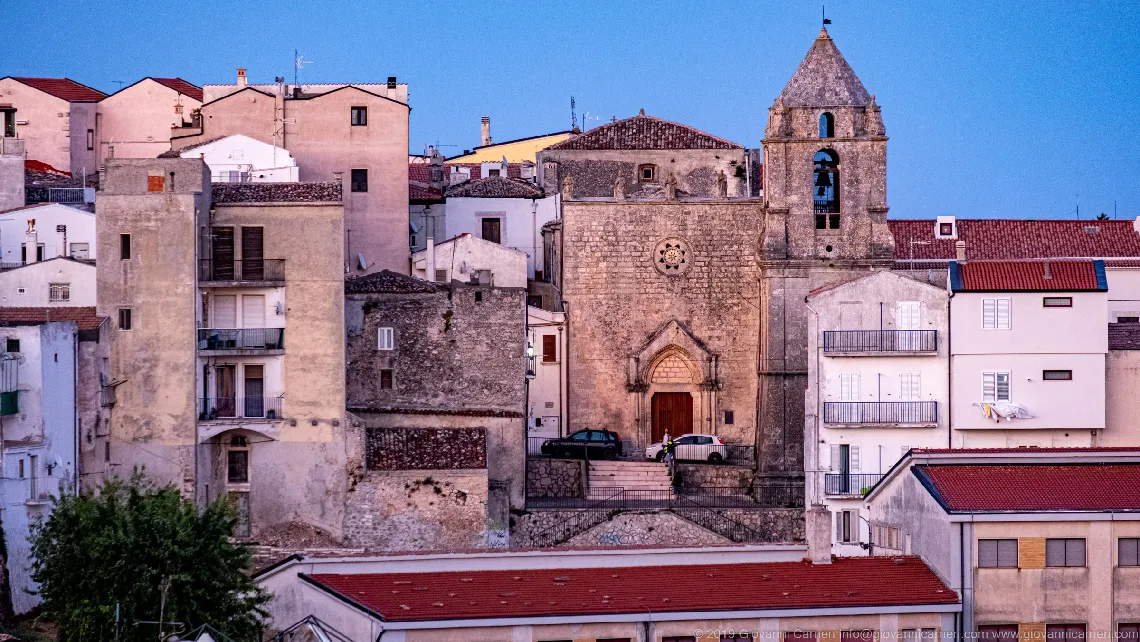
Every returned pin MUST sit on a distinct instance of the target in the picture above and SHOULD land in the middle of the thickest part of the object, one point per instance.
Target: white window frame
(909, 315)
(996, 377)
(910, 386)
(385, 339)
(996, 304)
(59, 292)
(849, 386)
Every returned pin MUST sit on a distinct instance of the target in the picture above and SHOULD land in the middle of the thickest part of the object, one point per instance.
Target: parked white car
(691, 447)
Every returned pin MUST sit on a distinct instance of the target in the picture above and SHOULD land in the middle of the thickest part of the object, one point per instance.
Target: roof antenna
(298, 63)
(573, 116)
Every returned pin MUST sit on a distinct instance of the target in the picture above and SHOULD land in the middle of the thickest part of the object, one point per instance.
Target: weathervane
(825, 20)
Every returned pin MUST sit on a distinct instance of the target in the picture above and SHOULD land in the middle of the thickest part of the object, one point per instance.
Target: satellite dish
(363, 263)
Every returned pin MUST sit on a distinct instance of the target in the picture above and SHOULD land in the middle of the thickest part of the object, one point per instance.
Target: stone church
(684, 287)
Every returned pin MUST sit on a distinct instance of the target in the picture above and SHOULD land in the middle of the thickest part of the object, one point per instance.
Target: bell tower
(825, 222)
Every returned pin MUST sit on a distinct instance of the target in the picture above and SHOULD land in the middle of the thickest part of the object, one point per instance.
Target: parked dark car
(592, 444)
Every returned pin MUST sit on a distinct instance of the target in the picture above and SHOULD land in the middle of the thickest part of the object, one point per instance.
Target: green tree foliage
(127, 543)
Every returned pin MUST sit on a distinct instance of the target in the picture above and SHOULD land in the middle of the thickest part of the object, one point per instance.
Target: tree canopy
(150, 552)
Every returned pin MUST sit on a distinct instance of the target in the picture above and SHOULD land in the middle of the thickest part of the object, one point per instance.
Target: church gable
(642, 133)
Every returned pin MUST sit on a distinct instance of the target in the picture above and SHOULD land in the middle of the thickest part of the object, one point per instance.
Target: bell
(823, 179)
(821, 191)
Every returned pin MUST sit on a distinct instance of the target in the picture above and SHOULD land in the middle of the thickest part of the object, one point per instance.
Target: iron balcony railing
(880, 412)
(221, 408)
(239, 270)
(242, 339)
(880, 341)
(826, 206)
(850, 484)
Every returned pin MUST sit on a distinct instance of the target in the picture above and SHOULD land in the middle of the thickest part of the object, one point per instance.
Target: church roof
(824, 79)
(644, 132)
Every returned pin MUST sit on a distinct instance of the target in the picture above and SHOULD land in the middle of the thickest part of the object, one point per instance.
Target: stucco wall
(418, 510)
(137, 120)
(520, 222)
(1121, 416)
(46, 135)
(14, 226)
(36, 280)
(12, 194)
(459, 258)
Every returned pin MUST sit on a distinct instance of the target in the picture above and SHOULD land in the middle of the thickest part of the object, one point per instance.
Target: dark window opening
(124, 318)
(124, 247)
(997, 553)
(1065, 632)
(534, 300)
(826, 125)
(946, 229)
(1128, 319)
(385, 379)
(1129, 632)
(90, 139)
(9, 122)
(478, 297)
(237, 469)
(549, 348)
(729, 417)
(492, 230)
(1128, 551)
(359, 116)
(1057, 302)
(13, 345)
(647, 173)
(826, 184)
(107, 450)
(24, 253)
(493, 172)
(359, 180)
(997, 633)
(1065, 551)
(1057, 375)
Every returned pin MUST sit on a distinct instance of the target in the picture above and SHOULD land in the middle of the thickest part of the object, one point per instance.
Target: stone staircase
(629, 475)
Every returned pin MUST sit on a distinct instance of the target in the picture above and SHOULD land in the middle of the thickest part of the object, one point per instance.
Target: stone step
(623, 465)
(632, 478)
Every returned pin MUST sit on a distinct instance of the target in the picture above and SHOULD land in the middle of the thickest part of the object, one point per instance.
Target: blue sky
(994, 108)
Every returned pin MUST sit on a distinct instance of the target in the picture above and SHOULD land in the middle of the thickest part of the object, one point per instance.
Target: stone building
(435, 373)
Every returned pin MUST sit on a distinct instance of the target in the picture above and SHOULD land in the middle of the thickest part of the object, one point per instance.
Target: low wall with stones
(418, 510)
(697, 476)
(554, 477)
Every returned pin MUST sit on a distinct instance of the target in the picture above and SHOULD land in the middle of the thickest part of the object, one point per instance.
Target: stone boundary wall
(425, 448)
(546, 477)
(697, 476)
(418, 510)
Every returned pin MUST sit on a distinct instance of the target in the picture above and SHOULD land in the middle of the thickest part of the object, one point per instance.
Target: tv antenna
(573, 116)
(586, 118)
(120, 84)
(298, 63)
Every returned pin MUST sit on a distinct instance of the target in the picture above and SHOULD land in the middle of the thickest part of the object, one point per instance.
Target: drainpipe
(429, 258)
(949, 372)
(75, 411)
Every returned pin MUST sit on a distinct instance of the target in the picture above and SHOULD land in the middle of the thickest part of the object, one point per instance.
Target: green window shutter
(9, 403)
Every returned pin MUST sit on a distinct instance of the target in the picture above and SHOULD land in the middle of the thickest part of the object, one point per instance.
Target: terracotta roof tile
(387, 282)
(1124, 336)
(421, 193)
(1027, 276)
(1033, 487)
(847, 581)
(1009, 239)
(181, 86)
(644, 132)
(177, 153)
(326, 192)
(84, 317)
(495, 187)
(64, 88)
(824, 79)
(1025, 450)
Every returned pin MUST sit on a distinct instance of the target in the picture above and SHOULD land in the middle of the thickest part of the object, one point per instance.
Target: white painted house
(57, 282)
(546, 375)
(241, 159)
(469, 258)
(1028, 353)
(52, 229)
(877, 386)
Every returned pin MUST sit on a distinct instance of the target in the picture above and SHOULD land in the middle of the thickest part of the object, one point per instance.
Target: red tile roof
(1005, 239)
(1033, 487)
(1124, 336)
(181, 86)
(85, 317)
(317, 192)
(421, 193)
(1027, 276)
(495, 187)
(64, 88)
(848, 581)
(1025, 450)
(644, 132)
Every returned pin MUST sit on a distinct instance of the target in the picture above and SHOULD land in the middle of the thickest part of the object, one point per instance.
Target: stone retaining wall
(697, 476)
(554, 477)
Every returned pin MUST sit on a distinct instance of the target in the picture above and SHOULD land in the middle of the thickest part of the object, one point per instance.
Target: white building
(546, 374)
(1028, 352)
(53, 229)
(57, 282)
(241, 159)
(508, 211)
(466, 258)
(877, 386)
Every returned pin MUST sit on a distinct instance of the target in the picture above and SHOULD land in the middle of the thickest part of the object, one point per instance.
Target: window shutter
(1003, 314)
(849, 386)
(1054, 552)
(989, 314)
(1075, 552)
(1128, 551)
(839, 526)
(253, 311)
(989, 388)
(910, 386)
(1007, 553)
(987, 553)
(836, 457)
(549, 348)
(224, 308)
(854, 455)
(1002, 386)
(909, 316)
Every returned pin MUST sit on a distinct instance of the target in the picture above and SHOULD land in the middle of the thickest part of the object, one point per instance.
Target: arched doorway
(672, 414)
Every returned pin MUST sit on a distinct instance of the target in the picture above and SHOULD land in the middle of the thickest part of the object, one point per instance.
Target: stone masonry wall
(417, 510)
(554, 477)
(695, 477)
(425, 448)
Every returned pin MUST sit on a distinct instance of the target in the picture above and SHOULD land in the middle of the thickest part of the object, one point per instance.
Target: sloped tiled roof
(322, 192)
(495, 187)
(1124, 336)
(846, 582)
(644, 132)
(824, 79)
(421, 193)
(1028, 450)
(177, 153)
(1033, 487)
(387, 282)
(84, 317)
(181, 86)
(1016, 239)
(64, 88)
(1028, 276)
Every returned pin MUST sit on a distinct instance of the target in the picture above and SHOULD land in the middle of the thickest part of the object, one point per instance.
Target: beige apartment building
(357, 134)
(56, 117)
(227, 353)
(1040, 542)
(136, 121)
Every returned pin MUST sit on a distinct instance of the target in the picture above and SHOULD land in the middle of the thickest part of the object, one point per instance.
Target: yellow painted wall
(516, 151)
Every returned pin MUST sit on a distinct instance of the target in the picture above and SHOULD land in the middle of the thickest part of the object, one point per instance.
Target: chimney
(241, 82)
(817, 527)
(485, 130)
(61, 240)
(1048, 271)
(31, 242)
(429, 260)
(960, 252)
(391, 82)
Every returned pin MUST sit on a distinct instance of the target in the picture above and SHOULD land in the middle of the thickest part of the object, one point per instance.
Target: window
(826, 125)
(729, 417)
(1057, 302)
(60, 292)
(107, 450)
(359, 116)
(910, 386)
(1065, 632)
(493, 172)
(124, 247)
(997, 553)
(997, 633)
(22, 473)
(478, 296)
(385, 379)
(385, 339)
(24, 253)
(647, 173)
(1128, 551)
(849, 386)
(847, 526)
(678, 638)
(9, 117)
(492, 230)
(549, 348)
(1065, 552)
(33, 474)
(534, 300)
(359, 180)
(441, 276)
(1128, 319)
(1128, 632)
(826, 185)
(946, 229)
(13, 345)
(909, 316)
(995, 314)
(80, 251)
(1057, 375)
(125, 319)
(90, 139)
(995, 387)
(237, 466)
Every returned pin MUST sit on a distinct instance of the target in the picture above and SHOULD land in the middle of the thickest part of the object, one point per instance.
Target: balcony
(243, 341)
(915, 413)
(849, 485)
(247, 273)
(229, 408)
(878, 342)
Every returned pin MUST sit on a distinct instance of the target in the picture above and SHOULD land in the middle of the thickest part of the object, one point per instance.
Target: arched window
(826, 125)
(826, 185)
